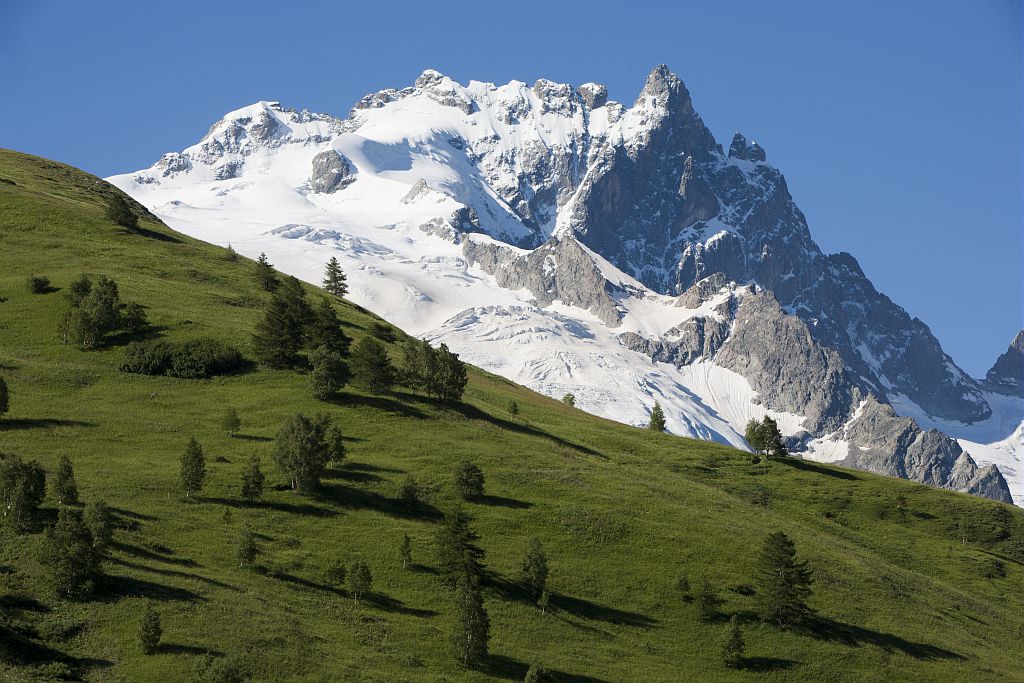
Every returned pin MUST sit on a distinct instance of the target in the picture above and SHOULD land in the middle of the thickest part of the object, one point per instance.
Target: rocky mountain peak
(1007, 374)
(741, 149)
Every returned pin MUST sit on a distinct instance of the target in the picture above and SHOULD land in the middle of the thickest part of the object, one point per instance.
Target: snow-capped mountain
(575, 244)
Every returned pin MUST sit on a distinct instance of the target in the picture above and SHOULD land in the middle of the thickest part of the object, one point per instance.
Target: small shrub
(195, 359)
(150, 630)
(38, 284)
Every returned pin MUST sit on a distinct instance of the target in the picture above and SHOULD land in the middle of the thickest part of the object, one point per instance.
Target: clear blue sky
(897, 123)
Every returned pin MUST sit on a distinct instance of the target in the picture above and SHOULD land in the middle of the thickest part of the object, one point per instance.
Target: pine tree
(569, 400)
(150, 630)
(5, 398)
(65, 490)
(371, 368)
(302, 449)
(513, 408)
(231, 423)
(230, 254)
(193, 468)
(772, 444)
(246, 548)
(281, 333)
(535, 569)
(468, 480)
(451, 377)
(335, 280)
(409, 492)
(732, 649)
(457, 551)
(71, 556)
(472, 625)
(359, 580)
(708, 602)
(100, 522)
(783, 583)
(325, 330)
(252, 480)
(657, 421)
(266, 276)
(22, 489)
(405, 551)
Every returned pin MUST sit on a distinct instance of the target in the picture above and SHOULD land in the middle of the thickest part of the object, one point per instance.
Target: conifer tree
(100, 522)
(266, 276)
(783, 583)
(252, 480)
(450, 379)
(513, 408)
(193, 468)
(246, 548)
(732, 649)
(405, 552)
(22, 489)
(657, 421)
(457, 551)
(569, 400)
(282, 331)
(409, 492)
(150, 630)
(5, 398)
(535, 569)
(231, 423)
(70, 555)
(65, 490)
(472, 629)
(325, 330)
(371, 368)
(359, 580)
(335, 280)
(468, 480)
(230, 254)
(772, 443)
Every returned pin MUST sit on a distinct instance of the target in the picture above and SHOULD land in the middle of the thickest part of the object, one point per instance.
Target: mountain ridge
(495, 170)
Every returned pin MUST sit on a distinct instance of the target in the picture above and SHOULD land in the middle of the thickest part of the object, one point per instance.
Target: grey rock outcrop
(1006, 375)
(331, 172)
(559, 270)
(882, 442)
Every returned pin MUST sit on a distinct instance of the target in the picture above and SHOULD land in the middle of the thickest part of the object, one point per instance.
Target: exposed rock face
(883, 442)
(560, 270)
(331, 172)
(1007, 374)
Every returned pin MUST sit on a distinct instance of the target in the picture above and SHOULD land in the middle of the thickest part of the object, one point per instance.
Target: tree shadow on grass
(179, 649)
(121, 512)
(12, 424)
(502, 502)
(824, 628)
(125, 337)
(173, 573)
(353, 475)
(382, 403)
(350, 497)
(808, 466)
(390, 604)
(152, 234)
(251, 437)
(584, 609)
(114, 588)
(474, 413)
(507, 668)
(766, 664)
(367, 467)
(153, 555)
(298, 508)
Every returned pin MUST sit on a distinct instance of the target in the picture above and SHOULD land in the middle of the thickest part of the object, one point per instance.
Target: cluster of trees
(782, 587)
(194, 359)
(96, 311)
(73, 548)
(764, 437)
(438, 372)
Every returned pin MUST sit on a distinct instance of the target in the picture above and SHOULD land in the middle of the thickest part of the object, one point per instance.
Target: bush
(39, 284)
(194, 359)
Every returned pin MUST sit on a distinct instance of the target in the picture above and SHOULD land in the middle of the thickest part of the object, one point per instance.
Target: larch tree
(371, 367)
(535, 569)
(783, 583)
(657, 421)
(266, 276)
(252, 480)
(472, 630)
(63, 485)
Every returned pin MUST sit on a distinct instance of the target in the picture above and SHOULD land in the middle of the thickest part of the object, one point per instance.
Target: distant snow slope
(402, 189)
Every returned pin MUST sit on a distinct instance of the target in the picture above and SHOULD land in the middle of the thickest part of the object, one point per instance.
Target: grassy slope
(622, 512)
